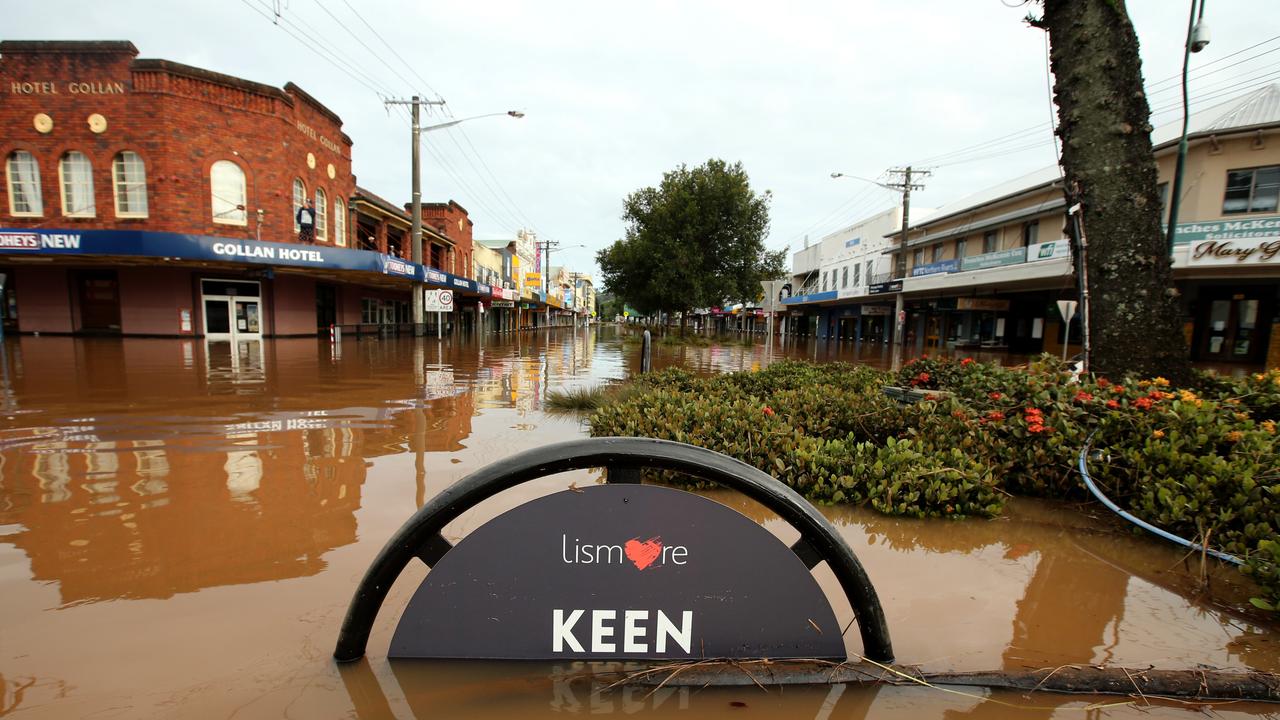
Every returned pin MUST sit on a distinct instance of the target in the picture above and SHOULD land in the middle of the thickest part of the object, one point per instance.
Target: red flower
(1142, 403)
(931, 397)
(966, 361)
(1103, 382)
(1033, 413)
(1083, 396)
(768, 411)
(1112, 404)
(1036, 428)
(959, 414)
(995, 396)
(995, 415)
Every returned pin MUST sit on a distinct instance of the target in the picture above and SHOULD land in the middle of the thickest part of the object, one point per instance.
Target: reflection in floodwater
(198, 514)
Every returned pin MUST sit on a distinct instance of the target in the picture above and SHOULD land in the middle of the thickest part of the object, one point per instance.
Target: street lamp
(905, 187)
(416, 133)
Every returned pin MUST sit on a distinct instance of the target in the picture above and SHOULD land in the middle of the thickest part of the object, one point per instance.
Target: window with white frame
(226, 183)
(339, 222)
(129, 183)
(322, 216)
(76, 173)
(937, 252)
(23, 174)
(1252, 190)
(844, 277)
(869, 265)
(960, 248)
(299, 199)
(857, 273)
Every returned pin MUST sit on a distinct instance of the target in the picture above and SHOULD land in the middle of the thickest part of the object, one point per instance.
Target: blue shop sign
(180, 246)
(812, 297)
(944, 266)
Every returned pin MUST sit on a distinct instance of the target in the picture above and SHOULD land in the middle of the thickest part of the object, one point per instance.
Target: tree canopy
(694, 241)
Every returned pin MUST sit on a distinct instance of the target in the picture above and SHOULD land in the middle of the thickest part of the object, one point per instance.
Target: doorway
(232, 310)
(1232, 329)
(99, 292)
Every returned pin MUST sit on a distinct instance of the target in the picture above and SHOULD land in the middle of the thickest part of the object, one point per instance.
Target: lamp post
(416, 131)
(900, 269)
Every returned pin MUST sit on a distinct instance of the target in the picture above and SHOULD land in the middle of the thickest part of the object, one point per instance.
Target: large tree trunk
(1104, 122)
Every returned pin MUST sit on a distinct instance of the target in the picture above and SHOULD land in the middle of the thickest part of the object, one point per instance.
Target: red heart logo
(643, 553)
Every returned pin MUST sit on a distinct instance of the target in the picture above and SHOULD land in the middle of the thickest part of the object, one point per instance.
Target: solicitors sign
(619, 571)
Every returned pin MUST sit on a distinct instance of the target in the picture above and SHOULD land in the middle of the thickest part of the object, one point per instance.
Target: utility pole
(900, 263)
(416, 233)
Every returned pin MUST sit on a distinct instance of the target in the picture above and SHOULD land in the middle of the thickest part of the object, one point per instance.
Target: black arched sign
(619, 571)
(625, 565)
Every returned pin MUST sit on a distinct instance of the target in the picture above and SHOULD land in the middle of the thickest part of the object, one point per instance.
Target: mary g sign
(619, 571)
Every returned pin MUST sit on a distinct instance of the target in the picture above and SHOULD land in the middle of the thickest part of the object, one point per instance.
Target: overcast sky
(618, 93)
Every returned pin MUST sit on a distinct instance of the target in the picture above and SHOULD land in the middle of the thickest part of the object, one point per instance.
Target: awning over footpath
(177, 246)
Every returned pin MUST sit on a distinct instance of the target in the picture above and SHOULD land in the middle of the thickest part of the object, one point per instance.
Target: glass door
(1231, 330)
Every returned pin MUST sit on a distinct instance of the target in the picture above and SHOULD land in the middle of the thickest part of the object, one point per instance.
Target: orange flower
(768, 411)
(1157, 434)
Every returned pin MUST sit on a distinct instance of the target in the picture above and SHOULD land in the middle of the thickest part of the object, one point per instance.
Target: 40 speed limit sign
(438, 301)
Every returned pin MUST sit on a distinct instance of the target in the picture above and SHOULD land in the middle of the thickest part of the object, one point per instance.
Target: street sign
(1068, 309)
(438, 301)
(619, 571)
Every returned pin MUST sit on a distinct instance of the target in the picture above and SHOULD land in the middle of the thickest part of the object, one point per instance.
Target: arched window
(23, 174)
(77, 185)
(322, 216)
(339, 222)
(299, 198)
(226, 181)
(129, 180)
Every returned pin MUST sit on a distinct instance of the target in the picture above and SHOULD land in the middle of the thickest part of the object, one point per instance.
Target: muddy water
(181, 528)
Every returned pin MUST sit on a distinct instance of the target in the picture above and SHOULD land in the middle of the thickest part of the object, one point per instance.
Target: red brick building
(146, 197)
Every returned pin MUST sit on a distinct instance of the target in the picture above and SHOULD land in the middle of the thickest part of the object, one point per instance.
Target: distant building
(986, 270)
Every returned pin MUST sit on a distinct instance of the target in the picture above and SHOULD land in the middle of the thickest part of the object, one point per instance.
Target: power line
(391, 47)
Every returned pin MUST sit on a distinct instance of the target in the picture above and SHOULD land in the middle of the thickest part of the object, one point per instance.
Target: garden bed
(1200, 461)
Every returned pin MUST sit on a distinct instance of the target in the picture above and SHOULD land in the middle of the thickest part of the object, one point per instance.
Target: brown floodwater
(182, 526)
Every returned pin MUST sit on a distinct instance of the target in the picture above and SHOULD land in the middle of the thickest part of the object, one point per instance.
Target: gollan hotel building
(146, 197)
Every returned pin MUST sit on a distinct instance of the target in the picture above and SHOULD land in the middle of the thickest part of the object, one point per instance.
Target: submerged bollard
(646, 348)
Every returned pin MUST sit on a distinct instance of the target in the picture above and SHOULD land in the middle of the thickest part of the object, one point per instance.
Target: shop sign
(437, 300)
(618, 572)
(1049, 250)
(528, 306)
(1236, 252)
(853, 242)
(396, 266)
(74, 87)
(483, 289)
(885, 287)
(999, 258)
(533, 279)
(502, 303)
(435, 276)
(877, 310)
(943, 266)
(981, 304)
(1260, 228)
(462, 283)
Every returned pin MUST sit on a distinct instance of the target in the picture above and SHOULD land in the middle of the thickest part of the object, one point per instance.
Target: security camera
(1199, 36)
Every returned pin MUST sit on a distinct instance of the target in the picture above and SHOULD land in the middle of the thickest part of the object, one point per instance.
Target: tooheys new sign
(619, 571)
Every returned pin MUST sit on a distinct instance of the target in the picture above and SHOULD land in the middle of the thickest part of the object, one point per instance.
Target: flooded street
(182, 526)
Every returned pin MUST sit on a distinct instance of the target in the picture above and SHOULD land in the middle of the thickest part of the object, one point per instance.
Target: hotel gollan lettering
(72, 87)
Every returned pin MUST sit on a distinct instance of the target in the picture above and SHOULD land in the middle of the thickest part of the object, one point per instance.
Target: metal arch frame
(622, 457)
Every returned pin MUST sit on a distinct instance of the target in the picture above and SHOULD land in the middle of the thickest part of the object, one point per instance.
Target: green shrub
(1199, 462)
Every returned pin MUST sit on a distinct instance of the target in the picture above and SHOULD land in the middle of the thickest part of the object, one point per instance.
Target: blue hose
(1088, 482)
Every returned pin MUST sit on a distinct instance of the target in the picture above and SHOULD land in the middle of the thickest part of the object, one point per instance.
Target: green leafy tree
(1110, 170)
(694, 241)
